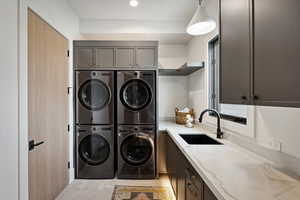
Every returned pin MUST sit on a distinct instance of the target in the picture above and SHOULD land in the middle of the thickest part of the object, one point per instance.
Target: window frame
(213, 94)
(228, 125)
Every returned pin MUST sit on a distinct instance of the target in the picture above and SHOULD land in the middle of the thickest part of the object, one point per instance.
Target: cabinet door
(146, 57)
(171, 163)
(194, 185)
(181, 164)
(84, 57)
(125, 57)
(235, 51)
(104, 57)
(277, 47)
(208, 195)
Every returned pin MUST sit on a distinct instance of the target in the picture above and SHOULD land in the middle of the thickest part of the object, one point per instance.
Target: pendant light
(201, 23)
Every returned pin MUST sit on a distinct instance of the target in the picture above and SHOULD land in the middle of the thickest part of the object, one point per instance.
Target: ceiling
(158, 10)
(173, 38)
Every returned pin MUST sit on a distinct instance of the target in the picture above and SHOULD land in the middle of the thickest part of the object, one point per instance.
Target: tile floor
(103, 189)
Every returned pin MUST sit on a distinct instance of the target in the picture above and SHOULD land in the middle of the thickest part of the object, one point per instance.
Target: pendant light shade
(201, 23)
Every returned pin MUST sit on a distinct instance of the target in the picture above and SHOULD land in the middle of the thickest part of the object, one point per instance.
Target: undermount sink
(199, 139)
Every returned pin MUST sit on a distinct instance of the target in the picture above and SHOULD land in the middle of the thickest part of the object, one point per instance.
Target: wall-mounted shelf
(185, 70)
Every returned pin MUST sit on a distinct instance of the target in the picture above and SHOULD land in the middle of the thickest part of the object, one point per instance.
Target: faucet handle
(220, 134)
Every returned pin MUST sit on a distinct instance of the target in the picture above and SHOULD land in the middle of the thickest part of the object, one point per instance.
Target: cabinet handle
(255, 97)
(244, 97)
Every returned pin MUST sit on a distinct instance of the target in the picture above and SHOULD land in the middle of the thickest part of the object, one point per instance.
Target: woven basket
(180, 117)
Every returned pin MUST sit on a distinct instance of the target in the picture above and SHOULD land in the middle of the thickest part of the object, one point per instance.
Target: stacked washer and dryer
(95, 127)
(115, 113)
(136, 124)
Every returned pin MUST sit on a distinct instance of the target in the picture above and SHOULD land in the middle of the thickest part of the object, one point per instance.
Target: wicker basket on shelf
(180, 117)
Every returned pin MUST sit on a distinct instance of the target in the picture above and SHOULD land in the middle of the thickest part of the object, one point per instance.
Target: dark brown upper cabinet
(105, 57)
(125, 57)
(84, 57)
(118, 54)
(146, 57)
(277, 52)
(235, 50)
(260, 48)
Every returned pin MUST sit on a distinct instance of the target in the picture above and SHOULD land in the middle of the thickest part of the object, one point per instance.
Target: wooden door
(48, 109)
(235, 51)
(276, 48)
(125, 57)
(84, 57)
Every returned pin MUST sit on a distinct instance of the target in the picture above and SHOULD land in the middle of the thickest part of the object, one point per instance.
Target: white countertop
(232, 172)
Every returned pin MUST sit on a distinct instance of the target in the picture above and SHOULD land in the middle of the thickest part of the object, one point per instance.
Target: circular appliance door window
(94, 95)
(136, 150)
(136, 94)
(94, 150)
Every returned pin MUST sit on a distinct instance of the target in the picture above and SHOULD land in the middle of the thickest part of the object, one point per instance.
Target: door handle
(32, 145)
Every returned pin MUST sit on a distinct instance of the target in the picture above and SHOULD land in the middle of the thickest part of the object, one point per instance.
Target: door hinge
(213, 96)
(68, 128)
(68, 53)
(213, 61)
(69, 165)
(68, 89)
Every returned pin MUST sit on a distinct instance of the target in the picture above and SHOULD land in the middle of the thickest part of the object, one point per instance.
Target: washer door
(135, 94)
(94, 149)
(136, 149)
(94, 94)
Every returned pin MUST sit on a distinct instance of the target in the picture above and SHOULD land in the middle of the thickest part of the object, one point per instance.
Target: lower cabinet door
(193, 185)
(181, 181)
(192, 192)
(208, 195)
(171, 163)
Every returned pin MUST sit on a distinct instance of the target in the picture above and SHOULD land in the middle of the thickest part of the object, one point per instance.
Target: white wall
(172, 93)
(171, 56)
(172, 89)
(197, 82)
(131, 26)
(9, 100)
(58, 14)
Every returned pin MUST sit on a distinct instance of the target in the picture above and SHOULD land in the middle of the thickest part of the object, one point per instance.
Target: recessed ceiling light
(133, 3)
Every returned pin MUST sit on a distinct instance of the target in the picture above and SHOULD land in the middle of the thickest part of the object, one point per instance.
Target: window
(235, 113)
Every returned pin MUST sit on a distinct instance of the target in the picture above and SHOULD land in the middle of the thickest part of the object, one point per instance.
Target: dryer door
(94, 94)
(94, 149)
(136, 94)
(137, 149)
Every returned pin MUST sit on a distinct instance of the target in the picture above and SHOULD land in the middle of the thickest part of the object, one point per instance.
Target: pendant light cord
(200, 2)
